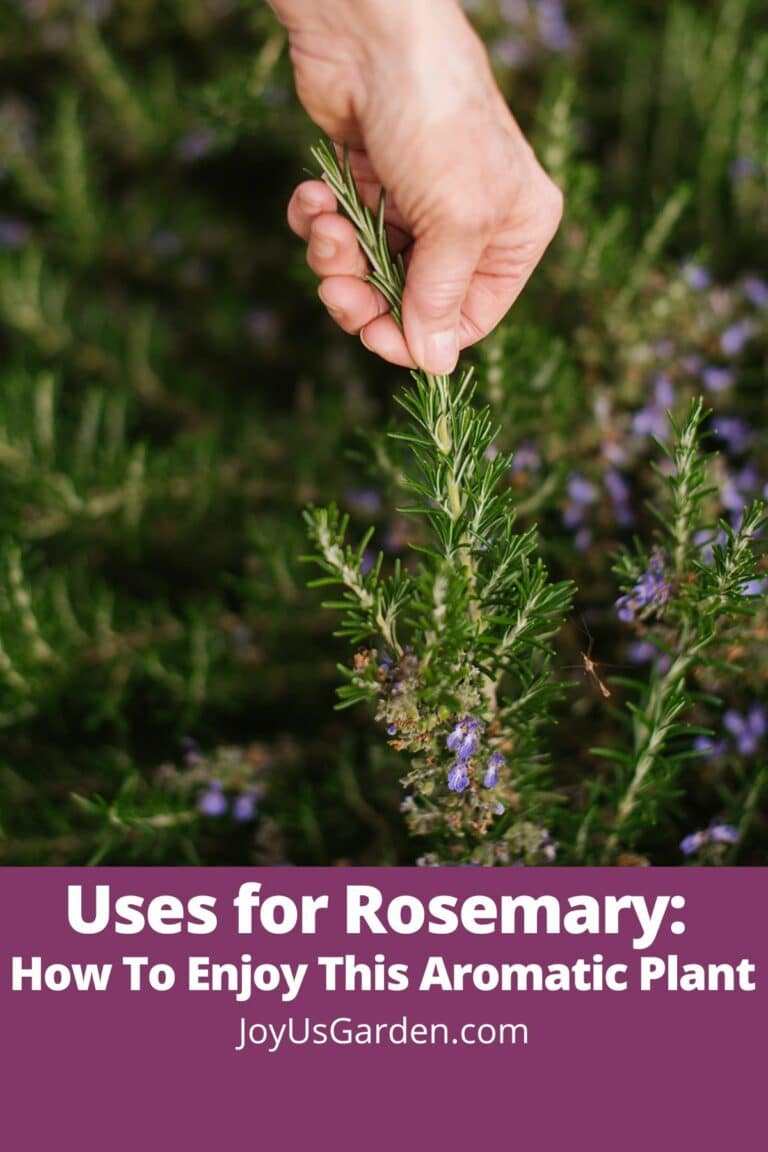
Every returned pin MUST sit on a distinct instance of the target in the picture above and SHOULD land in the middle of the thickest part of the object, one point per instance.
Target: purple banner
(361, 1008)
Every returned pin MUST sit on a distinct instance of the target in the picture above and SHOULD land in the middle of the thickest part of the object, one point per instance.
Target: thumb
(442, 264)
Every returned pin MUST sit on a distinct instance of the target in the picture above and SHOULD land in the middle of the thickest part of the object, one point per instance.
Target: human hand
(408, 87)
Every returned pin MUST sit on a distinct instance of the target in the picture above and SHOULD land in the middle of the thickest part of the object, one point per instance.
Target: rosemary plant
(454, 651)
(687, 594)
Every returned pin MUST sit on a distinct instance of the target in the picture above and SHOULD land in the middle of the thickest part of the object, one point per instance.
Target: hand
(408, 87)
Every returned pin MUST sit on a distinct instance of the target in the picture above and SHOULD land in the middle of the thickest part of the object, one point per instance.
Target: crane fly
(591, 670)
(590, 666)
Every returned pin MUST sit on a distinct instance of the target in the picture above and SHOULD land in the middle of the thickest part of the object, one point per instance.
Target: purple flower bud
(491, 778)
(651, 587)
(709, 748)
(650, 421)
(213, 802)
(465, 737)
(697, 277)
(244, 807)
(367, 500)
(742, 167)
(13, 233)
(747, 730)
(736, 336)
(692, 363)
(663, 392)
(526, 459)
(368, 561)
(580, 490)
(458, 777)
(735, 432)
(717, 379)
(723, 834)
(692, 843)
(196, 144)
(756, 291)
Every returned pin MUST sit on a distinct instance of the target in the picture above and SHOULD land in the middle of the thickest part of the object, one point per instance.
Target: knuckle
(552, 205)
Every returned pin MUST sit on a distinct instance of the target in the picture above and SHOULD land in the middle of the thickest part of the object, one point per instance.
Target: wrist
(361, 21)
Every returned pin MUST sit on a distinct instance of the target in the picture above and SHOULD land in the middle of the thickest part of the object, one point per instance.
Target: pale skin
(407, 86)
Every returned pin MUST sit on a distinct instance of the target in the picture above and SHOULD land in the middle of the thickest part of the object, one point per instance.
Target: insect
(590, 666)
(591, 670)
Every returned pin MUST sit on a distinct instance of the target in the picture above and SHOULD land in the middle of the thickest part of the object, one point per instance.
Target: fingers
(507, 264)
(442, 267)
(334, 254)
(308, 201)
(353, 303)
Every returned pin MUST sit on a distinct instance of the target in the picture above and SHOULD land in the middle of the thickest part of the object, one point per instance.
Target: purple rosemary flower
(747, 479)
(514, 11)
(368, 561)
(692, 363)
(735, 432)
(736, 336)
(196, 144)
(192, 751)
(723, 834)
(262, 325)
(710, 749)
(754, 588)
(464, 739)
(582, 541)
(730, 496)
(742, 167)
(663, 391)
(13, 233)
(548, 847)
(367, 500)
(692, 843)
(651, 588)
(696, 276)
(650, 421)
(618, 490)
(747, 730)
(244, 807)
(717, 379)
(458, 777)
(213, 802)
(581, 494)
(715, 834)
(580, 490)
(491, 778)
(642, 651)
(756, 291)
(706, 543)
(511, 51)
(555, 33)
(526, 458)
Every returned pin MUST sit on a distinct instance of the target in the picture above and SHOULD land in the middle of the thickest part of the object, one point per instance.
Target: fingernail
(441, 351)
(323, 247)
(334, 311)
(363, 340)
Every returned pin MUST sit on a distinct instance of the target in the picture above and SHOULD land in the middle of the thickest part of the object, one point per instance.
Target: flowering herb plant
(455, 650)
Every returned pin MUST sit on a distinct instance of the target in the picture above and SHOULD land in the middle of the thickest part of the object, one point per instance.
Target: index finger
(310, 199)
